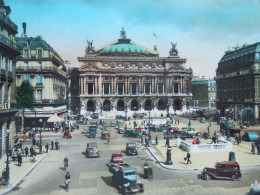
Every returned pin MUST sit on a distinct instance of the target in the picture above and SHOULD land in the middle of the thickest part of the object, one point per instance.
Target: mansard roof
(244, 50)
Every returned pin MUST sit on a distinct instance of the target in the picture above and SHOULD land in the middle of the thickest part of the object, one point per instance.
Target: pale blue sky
(202, 29)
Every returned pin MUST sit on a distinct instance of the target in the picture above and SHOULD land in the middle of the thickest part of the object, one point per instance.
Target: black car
(183, 134)
(120, 117)
(131, 149)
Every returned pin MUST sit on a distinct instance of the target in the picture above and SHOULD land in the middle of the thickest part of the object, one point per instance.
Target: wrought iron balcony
(7, 21)
(50, 101)
(43, 69)
(9, 43)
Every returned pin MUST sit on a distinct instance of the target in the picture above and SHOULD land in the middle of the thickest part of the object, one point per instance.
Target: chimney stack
(24, 29)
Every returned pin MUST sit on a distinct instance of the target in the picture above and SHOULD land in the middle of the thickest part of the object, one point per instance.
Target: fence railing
(221, 146)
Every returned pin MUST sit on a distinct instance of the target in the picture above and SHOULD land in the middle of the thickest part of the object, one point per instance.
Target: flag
(155, 35)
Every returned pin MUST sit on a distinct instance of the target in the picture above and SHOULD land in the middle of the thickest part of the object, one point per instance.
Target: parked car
(121, 130)
(131, 149)
(139, 115)
(249, 136)
(116, 158)
(95, 115)
(131, 133)
(105, 134)
(120, 117)
(112, 124)
(91, 150)
(223, 170)
(191, 131)
(194, 117)
(183, 134)
(203, 120)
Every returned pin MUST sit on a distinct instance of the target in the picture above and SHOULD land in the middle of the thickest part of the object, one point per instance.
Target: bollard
(232, 157)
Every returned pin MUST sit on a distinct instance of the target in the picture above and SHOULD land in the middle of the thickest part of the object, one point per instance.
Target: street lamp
(168, 154)
(40, 146)
(7, 168)
(126, 112)
(189, 123)
(149, 136)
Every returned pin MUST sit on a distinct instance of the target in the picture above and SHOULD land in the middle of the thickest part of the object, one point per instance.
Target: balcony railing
(36, 69)
(9, 43)
(8, 22)
(138, 95)
(50, 101)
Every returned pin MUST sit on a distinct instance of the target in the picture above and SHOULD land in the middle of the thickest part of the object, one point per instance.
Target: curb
(189, 169)
(12, 186)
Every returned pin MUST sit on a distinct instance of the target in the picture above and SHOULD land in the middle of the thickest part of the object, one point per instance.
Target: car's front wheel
(207, 176)
(235, 177)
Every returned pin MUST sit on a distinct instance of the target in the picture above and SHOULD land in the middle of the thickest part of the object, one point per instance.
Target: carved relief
(112, 64)
(176, 69)
(127, 65)
(153, 65)
(140, 65)
(89, 68)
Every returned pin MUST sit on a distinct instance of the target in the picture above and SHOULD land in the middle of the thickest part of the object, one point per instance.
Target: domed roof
(123, 45)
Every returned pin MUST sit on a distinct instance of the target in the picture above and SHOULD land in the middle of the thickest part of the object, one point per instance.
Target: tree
(24, 97)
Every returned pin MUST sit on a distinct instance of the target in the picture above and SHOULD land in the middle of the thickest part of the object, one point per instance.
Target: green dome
(123, 45)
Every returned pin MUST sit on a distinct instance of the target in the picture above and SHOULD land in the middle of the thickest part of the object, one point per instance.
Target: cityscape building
(8, 52)
(44, 68)
(204, 92)
(125, 76)
(238, 81)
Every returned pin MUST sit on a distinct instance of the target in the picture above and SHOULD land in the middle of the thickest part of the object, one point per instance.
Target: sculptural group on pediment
(90, 47)
(173, 51)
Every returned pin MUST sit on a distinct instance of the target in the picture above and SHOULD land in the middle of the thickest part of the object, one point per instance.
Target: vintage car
(121, 130)
(183, 135)
(173, 129)
(105, 134)
(234, 130)
(203, 120)
(194, 117)
(91, 150)
(131, 133)
(223, 170)
(116, 158)
(112, 124)
(94, 123)
(95, 115)
(249, 136)
(191, 131)
(131, 149)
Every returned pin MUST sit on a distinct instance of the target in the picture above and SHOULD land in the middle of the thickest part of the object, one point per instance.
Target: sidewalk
(200, 160)
(17, 174)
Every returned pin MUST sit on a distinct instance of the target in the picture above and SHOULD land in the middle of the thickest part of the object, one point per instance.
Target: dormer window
(39, 53)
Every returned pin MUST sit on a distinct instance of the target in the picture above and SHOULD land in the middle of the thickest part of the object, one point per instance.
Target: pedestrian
(19, 158)
(178, 121)
(188, 158)
(258, 148)
(240, 138)
(215, 133)
(156, 140)
(253, 147)
(56, 145)
(210, 124)
(52, 143)
(33, 141)
(31, 151)
(213, 139)
(47, 147)
(237, 139)
(146, 141)
(142, 140)
(198, 141)
(26, 151)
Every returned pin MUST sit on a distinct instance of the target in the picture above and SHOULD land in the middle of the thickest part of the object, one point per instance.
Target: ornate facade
(238, 81)
(204, 92)
(124, 75)
(44, 68)
(8, 52)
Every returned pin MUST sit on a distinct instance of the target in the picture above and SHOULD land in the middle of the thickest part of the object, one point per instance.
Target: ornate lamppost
(168, 154)
(40, 145)
(227, 130)
(7, 168)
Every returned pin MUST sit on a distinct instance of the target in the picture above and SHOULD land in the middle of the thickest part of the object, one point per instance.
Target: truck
(125, 178)
(92, 130)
